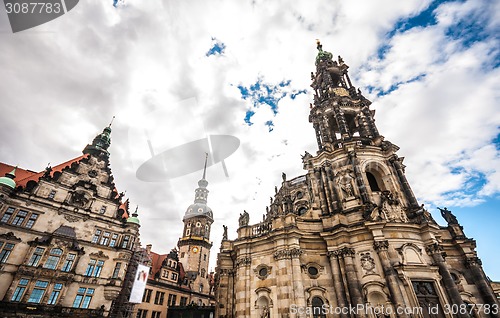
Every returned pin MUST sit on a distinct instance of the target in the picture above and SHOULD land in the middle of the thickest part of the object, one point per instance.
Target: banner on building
(141, 278)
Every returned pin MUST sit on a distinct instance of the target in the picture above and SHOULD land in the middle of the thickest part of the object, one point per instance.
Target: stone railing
(262, 228)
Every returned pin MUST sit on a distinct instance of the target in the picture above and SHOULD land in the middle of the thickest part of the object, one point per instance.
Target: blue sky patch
(217, 48)
(265, 94)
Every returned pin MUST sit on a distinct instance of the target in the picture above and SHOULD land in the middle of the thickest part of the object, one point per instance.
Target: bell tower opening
(372, 181)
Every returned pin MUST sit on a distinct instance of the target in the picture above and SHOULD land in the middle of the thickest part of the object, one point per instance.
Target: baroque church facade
(348, 238)
(66, 238)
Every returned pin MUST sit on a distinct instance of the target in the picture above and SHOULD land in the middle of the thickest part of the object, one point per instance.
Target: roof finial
(318, 45)
(112, 119)
(205, 167)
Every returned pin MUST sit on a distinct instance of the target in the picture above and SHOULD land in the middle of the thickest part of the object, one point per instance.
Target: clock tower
(194, 244)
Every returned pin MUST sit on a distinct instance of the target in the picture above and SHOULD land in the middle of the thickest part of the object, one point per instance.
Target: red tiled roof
(24, 176)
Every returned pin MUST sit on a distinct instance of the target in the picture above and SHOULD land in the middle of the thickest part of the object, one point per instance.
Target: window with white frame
(54, 295)
(5, 250)
(20, 289)
(68, 262)
(116, 271)
(37, 255)
(38, 292)
(94, 268)
(83, 297)
(21, 218)
(53, 259)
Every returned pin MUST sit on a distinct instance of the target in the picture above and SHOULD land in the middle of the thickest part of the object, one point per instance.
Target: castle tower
(194, 245)
(349, 233)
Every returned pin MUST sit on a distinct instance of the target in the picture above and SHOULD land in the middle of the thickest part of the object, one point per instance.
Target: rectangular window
(159, 297)
(142, 313)
(184, 301)
(155, 314)
(174, 276)
(147, 295)
(31, 221)
(68, 263)
(126, 238)
(83, 297)
(55, 294)
(19, 219)
(105, 238)
(174, 300)
(90, 268)
(96, 236)
(52, 194)
(6, 216)
(21, 287)
(116, 271)
(37, 255)
(98, 268)
(5, 252)
(204, 257)
(114, 238)
(165, 274)
(53, 259)
(38, 291)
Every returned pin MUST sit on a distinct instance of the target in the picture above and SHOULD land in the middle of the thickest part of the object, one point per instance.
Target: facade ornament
(448, 216)
(347, 251)
(99, 254)
(243, 261)
(435, 248)
(473, 261)
(244, 218)
(10, 237)
(367, 263)
(381, 245)
(224, 235)
(287, 253)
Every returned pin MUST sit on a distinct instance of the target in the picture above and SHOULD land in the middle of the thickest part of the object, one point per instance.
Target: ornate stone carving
(367, 263)
(287, 253)
(243, 261)
(71, 218)
(10, 237)
(448, 216)
(473, 261)
(262, 271)
(381, 245)
(244, 219)
(99, 254)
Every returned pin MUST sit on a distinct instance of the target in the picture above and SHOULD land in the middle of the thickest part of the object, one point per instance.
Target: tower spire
(100, 144)
(205, 167)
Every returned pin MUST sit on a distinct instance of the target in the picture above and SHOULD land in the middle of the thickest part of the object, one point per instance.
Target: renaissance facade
(66, 238)
(349, 233)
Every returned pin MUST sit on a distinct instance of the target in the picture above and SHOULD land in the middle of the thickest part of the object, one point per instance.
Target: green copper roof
(134, 218)
(8, 180)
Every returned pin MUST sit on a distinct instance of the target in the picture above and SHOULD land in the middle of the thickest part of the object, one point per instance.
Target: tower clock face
(195, 249)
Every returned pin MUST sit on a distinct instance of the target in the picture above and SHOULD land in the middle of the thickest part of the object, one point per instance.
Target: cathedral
(67, 241)
(349, 238)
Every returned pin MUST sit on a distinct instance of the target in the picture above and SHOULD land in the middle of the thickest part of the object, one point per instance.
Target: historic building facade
(66, 237)
(180, 284)
(349, 233)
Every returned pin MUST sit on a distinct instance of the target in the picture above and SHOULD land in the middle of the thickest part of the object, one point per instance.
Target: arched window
(317, 308)
(372, 181)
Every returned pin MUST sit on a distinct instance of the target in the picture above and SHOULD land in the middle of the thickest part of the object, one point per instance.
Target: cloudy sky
(177, 71)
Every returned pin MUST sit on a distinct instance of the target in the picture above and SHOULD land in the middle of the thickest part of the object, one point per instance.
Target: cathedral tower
(349, 233)
(194, 245)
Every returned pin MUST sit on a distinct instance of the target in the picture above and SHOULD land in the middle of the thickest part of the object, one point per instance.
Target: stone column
(436, 252)
(328, 194)
(333, 189)
(298, 285)
(474, 264)
(371, 122)
(242, 298)
(397, 163)
(318, 135)
(359, 178)
(338, 282)
(322, 199)
(352, 280)
(340, 118)
(381, 247)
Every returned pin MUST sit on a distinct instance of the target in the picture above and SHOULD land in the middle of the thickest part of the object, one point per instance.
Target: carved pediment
(99, 254)
(10, 237)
